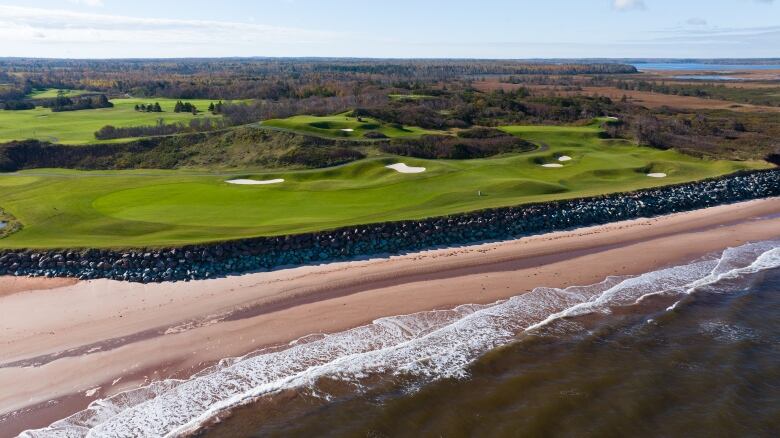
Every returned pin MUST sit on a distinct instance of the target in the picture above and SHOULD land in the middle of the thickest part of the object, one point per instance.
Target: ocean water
(690, 66)
(689, 350)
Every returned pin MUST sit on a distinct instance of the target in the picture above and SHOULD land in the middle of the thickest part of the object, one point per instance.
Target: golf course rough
(101, 209)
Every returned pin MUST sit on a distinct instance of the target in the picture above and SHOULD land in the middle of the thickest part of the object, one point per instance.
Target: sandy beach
(65, 343)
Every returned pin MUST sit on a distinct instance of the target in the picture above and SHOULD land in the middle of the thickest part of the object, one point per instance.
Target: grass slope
(60, 208)
(78, 127)
(51, 93)
(336, 126)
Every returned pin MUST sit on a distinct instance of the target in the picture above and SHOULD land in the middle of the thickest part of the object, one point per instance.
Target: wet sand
(63, 344)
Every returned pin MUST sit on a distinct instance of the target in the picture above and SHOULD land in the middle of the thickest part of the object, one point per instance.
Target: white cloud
(81, 29)
(627, 5)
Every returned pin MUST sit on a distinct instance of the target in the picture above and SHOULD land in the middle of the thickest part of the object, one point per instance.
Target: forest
(443, 97)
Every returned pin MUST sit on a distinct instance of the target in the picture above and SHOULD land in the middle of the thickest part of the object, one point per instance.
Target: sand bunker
(348, 130)
(254, 182)
(403, 168)
(564, 158)
(552, 165)
(656, 175)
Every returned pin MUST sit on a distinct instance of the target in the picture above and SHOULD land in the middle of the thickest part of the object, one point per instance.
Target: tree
(137, 108)
(178, 107)
(157, 107)
(211, 108)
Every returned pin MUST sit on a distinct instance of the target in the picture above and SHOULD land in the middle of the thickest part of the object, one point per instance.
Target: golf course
(345, 126)
(68, 208)
(79, 127)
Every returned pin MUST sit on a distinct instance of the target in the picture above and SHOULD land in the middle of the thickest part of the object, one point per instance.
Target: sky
(390, 29)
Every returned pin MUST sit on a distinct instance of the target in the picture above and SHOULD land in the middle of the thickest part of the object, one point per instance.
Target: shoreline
(90, 333)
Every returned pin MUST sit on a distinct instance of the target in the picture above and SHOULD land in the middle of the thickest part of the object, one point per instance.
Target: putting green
(65, 208)
(342, 126)
(78, 127)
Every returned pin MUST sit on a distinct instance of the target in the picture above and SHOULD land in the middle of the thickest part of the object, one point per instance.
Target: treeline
(17, 105)
(767, 96)
(149, 108)
(110, 132)
(470, 108)
(273, 79)
(715, 134)
(662, 87)
(62, 103)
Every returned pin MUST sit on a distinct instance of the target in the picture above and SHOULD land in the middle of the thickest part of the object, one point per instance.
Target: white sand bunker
(403, 168)
(564, 158)
(656, 175)
(552, 165)
(254, 182)
(348, 130)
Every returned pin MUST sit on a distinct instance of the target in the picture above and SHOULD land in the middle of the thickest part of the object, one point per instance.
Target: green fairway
(51, 93)
(60, 208)
(341, 126)
(78, 127)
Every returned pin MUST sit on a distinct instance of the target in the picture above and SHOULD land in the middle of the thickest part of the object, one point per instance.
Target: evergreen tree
(178, 107)
(136, 107)
(211, 107)
(157, 107)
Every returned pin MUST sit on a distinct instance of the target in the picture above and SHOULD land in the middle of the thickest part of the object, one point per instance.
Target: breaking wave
(426, 346)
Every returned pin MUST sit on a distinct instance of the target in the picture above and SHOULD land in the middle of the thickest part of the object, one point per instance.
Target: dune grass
(343, 126)
(78, 127)
(65, 208)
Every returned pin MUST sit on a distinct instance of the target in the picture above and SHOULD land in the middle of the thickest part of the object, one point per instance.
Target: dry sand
(73, 342)
(255, 182)
(404, 168)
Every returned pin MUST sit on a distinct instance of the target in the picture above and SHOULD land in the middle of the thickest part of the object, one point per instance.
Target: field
(62, 208)
(342, 126)
(51, 93)
(78, 127)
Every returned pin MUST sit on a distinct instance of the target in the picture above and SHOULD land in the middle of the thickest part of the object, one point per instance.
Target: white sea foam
(429, 345)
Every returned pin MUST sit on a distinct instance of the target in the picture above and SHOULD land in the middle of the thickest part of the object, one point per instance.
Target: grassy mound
(345, 126)
(60, 208)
